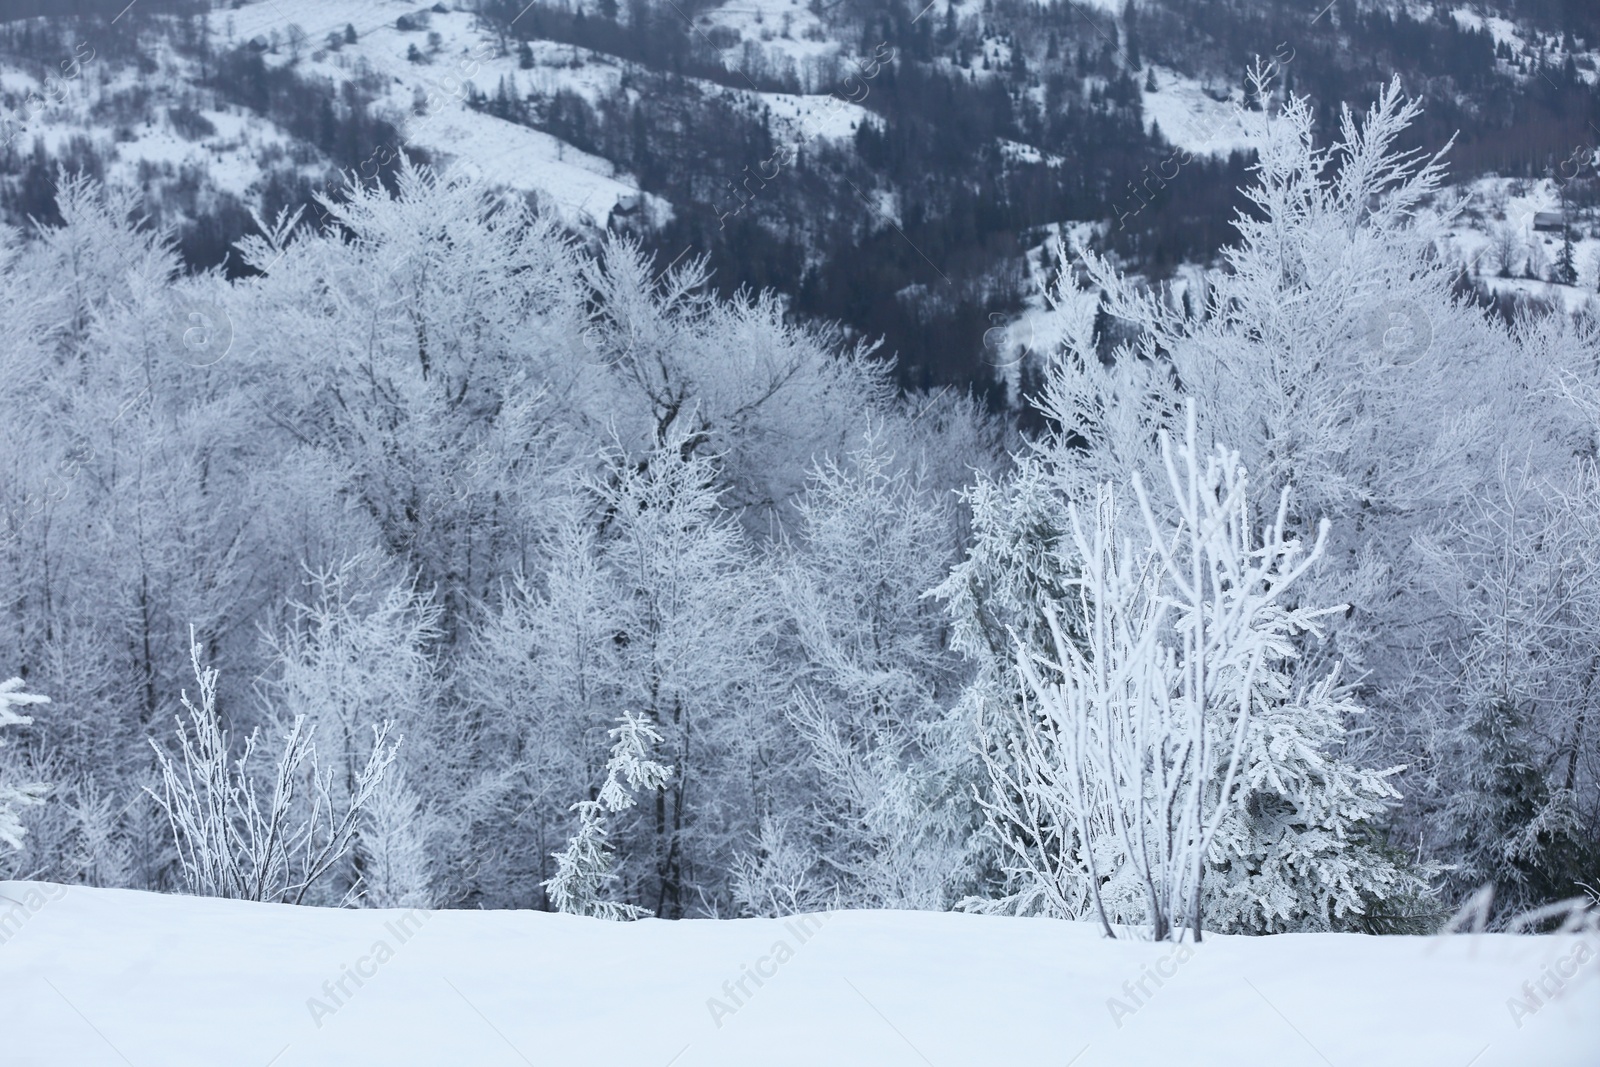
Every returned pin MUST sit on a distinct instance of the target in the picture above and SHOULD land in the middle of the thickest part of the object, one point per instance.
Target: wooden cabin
(1549, 221)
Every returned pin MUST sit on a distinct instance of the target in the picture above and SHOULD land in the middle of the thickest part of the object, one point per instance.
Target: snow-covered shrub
(781, 874)
(241, 835)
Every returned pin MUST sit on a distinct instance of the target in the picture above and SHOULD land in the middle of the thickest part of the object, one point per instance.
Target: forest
(438, 558)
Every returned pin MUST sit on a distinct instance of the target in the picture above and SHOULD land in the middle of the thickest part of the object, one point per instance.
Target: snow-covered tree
(1162, 766)
(559, 465)
(538, 682)
(584, 867)
(689, 579)
(16, 795)
(886, 814)
(734, 378)
(1333, 354)
(396, 870)
(1514, 695)
(356, 654)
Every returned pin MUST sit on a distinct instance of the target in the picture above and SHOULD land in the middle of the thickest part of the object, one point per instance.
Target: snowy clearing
(1192, 118)
(92, 976)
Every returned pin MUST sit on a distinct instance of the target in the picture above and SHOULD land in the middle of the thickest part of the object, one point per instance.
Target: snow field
(91, 976)
(1191, 118)
(1504, 208)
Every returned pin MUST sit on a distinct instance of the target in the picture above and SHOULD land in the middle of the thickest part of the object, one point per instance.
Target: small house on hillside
(1548, 221)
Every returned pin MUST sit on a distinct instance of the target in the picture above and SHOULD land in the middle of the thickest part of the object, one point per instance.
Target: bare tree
(240, 839)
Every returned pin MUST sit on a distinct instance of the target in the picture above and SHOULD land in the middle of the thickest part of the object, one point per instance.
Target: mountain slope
(884, 164)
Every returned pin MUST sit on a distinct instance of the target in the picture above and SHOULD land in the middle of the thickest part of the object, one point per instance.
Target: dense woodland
(433, 556)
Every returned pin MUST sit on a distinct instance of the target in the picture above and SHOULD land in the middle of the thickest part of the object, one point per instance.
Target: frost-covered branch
(240, 837)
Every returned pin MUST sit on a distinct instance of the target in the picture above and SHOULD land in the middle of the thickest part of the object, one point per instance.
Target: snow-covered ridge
(91, 975)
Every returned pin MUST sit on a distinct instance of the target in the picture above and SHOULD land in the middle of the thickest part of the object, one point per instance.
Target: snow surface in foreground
(94, 976)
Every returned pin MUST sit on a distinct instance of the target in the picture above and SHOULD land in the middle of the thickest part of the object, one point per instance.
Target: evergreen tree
(1509, 828)
(1566, 268)
(14, 795)
(1130, 21)
(584, 867)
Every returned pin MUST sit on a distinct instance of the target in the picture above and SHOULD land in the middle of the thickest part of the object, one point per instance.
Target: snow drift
(96, 976)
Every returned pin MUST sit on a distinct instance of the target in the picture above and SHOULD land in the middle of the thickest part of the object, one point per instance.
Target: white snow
(580, 186)
(1191, 118)
(1503, 31)
(783, 28)
(799, 119)
(92, 976)
(1494, 204)
(1027, 153)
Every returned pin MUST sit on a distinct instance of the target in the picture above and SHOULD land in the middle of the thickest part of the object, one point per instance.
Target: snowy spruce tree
(584, 869)
(17, 795)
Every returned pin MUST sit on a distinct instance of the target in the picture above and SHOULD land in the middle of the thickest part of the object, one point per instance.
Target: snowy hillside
(888, 173)
(111, 976)
(455, 56)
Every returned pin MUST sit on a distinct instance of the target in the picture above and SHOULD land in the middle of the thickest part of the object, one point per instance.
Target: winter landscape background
(1125, 472)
